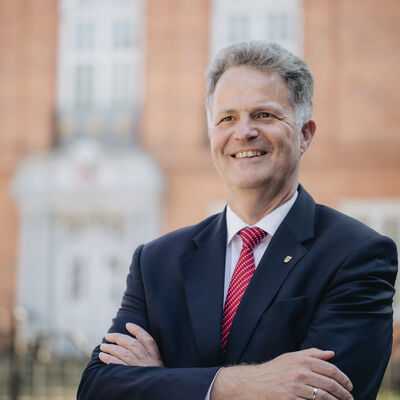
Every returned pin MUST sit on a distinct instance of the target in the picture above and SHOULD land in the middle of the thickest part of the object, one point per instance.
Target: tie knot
(252, 236)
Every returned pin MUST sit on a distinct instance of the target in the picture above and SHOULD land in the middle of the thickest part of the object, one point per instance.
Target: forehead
(243, 85)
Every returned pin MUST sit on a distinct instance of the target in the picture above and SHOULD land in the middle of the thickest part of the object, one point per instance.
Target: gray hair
(267, 57)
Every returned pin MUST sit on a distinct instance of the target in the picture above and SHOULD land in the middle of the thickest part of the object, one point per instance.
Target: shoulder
(180, 240)
(184, 234)
(334, 220)
(324, 227)
(347, 232)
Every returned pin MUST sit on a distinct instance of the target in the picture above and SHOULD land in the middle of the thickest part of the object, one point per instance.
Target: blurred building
(103, 138)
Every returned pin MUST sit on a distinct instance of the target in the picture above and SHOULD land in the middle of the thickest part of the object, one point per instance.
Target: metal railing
(31, 370)
(114, 127)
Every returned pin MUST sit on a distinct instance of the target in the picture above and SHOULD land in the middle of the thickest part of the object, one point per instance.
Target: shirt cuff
(212, 383)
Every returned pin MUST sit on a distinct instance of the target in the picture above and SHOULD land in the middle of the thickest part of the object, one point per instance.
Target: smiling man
(276, 297)
(255, 143)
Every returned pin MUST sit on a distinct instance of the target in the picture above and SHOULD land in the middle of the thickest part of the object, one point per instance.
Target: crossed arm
(358, 303)
(290, 376)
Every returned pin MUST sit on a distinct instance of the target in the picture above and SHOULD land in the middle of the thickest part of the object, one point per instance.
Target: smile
(248, 154)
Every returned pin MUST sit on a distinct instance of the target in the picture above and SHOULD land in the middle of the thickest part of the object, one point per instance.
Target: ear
(307, 133)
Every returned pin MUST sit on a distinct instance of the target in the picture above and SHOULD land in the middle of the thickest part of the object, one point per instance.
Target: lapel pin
(287, 259)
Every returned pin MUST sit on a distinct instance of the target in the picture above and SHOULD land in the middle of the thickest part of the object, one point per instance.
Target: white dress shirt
(269, 224)
(234, 223)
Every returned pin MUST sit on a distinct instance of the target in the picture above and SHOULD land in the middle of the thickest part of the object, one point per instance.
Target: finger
(331, 371)
(129, 343)
(317, 353)
(116, 351)
(116, 337)
(109, 359)
(328, 387)
(306, 392)
(124, 354)
(145, 339)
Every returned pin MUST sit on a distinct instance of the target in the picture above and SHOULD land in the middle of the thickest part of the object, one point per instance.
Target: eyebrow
(261, 107)
(267, 106)
(225, 111)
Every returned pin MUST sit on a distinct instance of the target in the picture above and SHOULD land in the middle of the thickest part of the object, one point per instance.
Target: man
(276, 297)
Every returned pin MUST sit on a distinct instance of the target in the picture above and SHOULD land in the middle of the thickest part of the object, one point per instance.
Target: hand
(142, 350)
(289, 376)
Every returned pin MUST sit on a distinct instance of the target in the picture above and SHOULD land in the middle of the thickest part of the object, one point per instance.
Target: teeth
(245, 154)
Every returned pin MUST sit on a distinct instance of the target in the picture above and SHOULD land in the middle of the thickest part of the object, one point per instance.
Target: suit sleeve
(104, 382)
(355, 316)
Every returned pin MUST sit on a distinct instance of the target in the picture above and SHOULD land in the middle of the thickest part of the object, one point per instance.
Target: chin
(251, 184)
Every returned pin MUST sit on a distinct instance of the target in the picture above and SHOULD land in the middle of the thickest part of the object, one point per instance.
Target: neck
(251, 205)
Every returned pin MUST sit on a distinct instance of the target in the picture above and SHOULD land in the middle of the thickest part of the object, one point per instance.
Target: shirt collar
(269, 223)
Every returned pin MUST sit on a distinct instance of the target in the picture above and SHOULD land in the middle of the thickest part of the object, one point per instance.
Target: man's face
(253, 135)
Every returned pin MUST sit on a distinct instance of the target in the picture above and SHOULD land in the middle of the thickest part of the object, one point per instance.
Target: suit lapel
(203, 275)
(271, 273)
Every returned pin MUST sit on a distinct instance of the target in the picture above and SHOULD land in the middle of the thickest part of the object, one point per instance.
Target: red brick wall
(352, 47)
(27, 79)
(174, 125)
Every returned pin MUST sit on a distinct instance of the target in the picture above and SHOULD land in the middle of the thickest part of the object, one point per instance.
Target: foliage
(388, 395)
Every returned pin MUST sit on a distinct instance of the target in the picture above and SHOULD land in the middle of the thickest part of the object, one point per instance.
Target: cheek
(287, 150)
(213, 147)
(217, 141)
(289, 142)
(216, 151)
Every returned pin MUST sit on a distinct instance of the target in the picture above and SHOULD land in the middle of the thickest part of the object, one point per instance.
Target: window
(98, 70)
(122, 85)
(116, 269)
(278, 21)
(238, 26)
(84, 36)
(83, 80)
(278, 27)
(123, 34)
(76, 289)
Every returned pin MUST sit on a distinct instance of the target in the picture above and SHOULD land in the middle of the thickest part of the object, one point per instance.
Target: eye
(264, 115)
(228, 118)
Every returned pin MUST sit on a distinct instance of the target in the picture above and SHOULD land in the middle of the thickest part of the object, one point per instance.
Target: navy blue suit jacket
(335, 293)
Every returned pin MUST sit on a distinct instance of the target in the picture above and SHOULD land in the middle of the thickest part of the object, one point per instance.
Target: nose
(245, 130)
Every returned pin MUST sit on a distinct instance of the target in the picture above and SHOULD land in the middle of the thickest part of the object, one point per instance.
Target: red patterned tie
(241, 277)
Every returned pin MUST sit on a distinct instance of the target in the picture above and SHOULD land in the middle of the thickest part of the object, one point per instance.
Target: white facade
(82, 214)
(87, 204)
